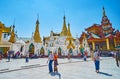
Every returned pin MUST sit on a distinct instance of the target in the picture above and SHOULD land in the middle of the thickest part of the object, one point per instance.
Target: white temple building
(61, 43)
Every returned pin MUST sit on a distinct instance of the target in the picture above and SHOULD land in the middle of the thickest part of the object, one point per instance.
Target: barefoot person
(85, 55)
(97, 61)
(55, 62)
(69, 57)
(50, 59)
(27, 58)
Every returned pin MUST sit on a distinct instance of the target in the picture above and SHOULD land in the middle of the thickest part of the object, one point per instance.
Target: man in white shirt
(50, 59)
(97, 60)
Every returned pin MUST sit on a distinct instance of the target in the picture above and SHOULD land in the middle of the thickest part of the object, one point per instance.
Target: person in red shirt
(55, 62)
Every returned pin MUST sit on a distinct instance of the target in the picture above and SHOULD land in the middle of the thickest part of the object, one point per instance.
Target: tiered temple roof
(97, 34)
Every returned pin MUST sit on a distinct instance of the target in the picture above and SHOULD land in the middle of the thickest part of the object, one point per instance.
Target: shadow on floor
(106, 74)
(56, 74)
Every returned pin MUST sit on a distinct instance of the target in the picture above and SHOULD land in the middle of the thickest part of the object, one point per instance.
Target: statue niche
(42, 51)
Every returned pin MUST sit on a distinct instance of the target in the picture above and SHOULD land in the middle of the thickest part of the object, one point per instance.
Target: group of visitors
(53, 58)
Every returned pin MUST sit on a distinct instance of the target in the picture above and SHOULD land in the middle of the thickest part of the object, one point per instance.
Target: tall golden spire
(104, 14)
(36, 36)
(69, 32)
(69, 38)
(64, 29)
(12, 37)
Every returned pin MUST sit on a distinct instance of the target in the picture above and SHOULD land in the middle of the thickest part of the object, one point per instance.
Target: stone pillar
(115, 42)
(107, 43)
(93, 45)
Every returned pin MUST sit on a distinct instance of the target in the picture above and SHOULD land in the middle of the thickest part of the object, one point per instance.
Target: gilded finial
(14, 24)
(37, 22)
(104, 14)
(64, 16)
(69, 32)
(68, 24)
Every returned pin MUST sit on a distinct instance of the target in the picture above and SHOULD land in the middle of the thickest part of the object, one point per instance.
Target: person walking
(0, 56)
(8, 56)
(50, 59)
(55, 62)
(27, 58)
(97, 61)
(68, 56)
(85, 55)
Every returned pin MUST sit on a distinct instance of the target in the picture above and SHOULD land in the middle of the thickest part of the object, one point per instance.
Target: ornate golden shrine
(3, 29)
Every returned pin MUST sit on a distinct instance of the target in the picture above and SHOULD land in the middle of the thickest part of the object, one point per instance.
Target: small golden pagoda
(36, 36)
(64, 29)
(68, 32)
(69, 38)
(12, 37)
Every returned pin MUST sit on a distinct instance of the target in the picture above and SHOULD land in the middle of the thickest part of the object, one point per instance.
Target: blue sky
(79, 13)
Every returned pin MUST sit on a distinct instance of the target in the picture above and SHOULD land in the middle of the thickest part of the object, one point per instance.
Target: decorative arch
(31, 48)
(42, 51)
(48, 52)
(71, 51)
(82, 50)
(1, 50)
(59, 51)
(21, 48)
